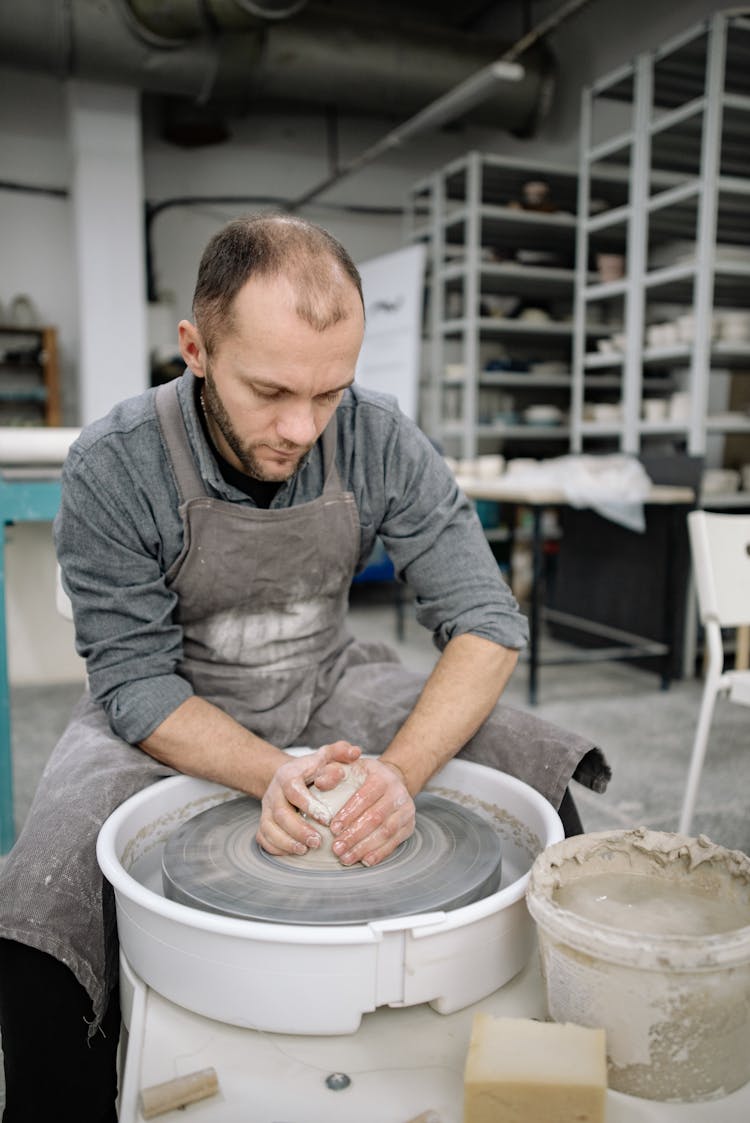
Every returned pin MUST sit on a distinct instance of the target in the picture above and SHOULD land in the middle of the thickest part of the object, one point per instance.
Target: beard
(250, 462)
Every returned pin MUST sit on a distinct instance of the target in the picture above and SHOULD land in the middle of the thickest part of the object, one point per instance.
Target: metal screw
(338, 1080)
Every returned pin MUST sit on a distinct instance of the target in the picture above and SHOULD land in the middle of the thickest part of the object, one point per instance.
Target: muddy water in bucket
(647, 934)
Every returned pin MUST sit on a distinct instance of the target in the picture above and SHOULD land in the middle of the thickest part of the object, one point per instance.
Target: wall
(276, 155)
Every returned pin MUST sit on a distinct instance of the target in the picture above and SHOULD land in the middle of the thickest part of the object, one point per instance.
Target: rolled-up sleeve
(111, 557)
(436, 542)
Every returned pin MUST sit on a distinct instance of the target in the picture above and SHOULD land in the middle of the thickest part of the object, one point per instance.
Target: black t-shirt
(260, 491)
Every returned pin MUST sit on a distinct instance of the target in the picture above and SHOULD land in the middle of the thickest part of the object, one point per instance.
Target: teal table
(26, 495)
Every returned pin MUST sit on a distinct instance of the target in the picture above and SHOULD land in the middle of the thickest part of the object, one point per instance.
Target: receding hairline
(318, 268)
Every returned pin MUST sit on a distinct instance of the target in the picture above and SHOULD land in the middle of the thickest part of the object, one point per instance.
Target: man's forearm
(201, 740)
(465, 684)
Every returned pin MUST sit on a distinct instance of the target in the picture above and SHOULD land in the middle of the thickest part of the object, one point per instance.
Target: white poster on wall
(392, 286)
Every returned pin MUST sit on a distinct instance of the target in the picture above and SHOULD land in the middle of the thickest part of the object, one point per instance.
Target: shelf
(511, 228)
(514, 278)
(604, 382)
(23, 329)
(503, 179)
(597, 361)
(654, 428)
(507, 431)
(523, 381)
(684, 233)
(601, 428)
(514, 379)
(32, 380)
(617, 216)
(497, 326)
(33, 394)
(606, 290)
(724, 354)
(609, 147)
(728, 424)
(525, 432)
(726, 500)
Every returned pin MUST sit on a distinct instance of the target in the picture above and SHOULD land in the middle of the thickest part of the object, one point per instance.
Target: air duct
(267, 53)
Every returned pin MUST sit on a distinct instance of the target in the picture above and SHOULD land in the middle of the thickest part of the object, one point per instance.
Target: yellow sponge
(518, 1070)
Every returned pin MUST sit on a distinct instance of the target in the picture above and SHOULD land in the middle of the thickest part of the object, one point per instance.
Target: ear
(191, 348)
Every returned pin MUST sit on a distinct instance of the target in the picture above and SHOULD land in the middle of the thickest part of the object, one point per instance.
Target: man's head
(278, 324)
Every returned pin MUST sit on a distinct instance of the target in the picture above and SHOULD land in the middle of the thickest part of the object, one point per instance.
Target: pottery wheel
(212, 862)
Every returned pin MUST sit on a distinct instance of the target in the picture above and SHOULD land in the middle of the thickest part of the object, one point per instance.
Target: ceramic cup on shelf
(610, 266)
(679, 406)
(655, 409)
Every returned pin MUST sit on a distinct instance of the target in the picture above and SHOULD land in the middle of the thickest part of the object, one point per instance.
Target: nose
(296, 424)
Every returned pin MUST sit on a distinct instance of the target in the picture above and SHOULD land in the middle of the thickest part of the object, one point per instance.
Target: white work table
(401, 1063)
(623, 645)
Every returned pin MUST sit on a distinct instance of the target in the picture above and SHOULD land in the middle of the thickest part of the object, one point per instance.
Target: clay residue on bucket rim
(620, 851)
(660, 846)
(676, 1008)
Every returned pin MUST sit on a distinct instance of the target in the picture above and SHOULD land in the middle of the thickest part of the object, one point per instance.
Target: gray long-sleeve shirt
(118, 531)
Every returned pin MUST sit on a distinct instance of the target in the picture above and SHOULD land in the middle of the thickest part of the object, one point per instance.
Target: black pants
(44, 1019)
(52, 1069)
(569, 816)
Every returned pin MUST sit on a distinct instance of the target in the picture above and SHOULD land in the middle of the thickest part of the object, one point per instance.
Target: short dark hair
(267, 245)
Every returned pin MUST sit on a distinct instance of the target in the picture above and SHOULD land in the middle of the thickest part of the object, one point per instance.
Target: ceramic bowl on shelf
(606, 347)
(542, 415)
(663, 335)
(734, 327)
(532, 315)
(603, 412)
(719, 481)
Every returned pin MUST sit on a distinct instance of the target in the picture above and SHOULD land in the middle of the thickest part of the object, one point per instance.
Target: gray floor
(645, 732)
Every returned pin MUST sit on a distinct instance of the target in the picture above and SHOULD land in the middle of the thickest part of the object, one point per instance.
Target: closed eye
(268, 395)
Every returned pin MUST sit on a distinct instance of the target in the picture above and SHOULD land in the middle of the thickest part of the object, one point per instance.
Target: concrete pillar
(107, 189)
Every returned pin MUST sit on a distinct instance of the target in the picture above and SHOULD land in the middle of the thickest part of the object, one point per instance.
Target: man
(208, 535)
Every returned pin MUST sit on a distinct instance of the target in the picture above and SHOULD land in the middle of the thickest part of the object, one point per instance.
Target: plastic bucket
(647, 934)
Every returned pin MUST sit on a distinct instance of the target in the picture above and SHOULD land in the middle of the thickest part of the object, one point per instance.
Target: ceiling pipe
(457, 102)
(272, 9)
(216, 51)
(452, 104)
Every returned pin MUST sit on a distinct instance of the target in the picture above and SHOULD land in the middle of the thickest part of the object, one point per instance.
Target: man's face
(272, 385)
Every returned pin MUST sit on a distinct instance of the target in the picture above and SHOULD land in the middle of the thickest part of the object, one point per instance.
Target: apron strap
(328, 439)
(172, 424)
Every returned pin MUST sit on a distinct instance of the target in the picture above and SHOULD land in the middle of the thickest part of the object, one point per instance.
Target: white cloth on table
(614, 486)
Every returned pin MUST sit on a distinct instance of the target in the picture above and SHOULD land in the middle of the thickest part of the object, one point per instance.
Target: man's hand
(376, 819)
(282, 830)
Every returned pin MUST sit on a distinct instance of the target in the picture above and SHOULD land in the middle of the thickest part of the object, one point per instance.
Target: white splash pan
(302, 979)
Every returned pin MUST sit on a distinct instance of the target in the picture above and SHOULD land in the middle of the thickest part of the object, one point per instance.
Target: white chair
(720, 548)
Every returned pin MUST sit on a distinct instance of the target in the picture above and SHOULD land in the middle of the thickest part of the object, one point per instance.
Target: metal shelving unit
(499, 316)
(29, 376)
(672, 127)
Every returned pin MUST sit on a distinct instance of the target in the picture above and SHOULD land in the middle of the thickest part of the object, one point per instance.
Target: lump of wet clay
(328, 802)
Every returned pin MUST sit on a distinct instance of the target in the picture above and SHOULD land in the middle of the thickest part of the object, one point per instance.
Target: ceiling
(204, 59)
